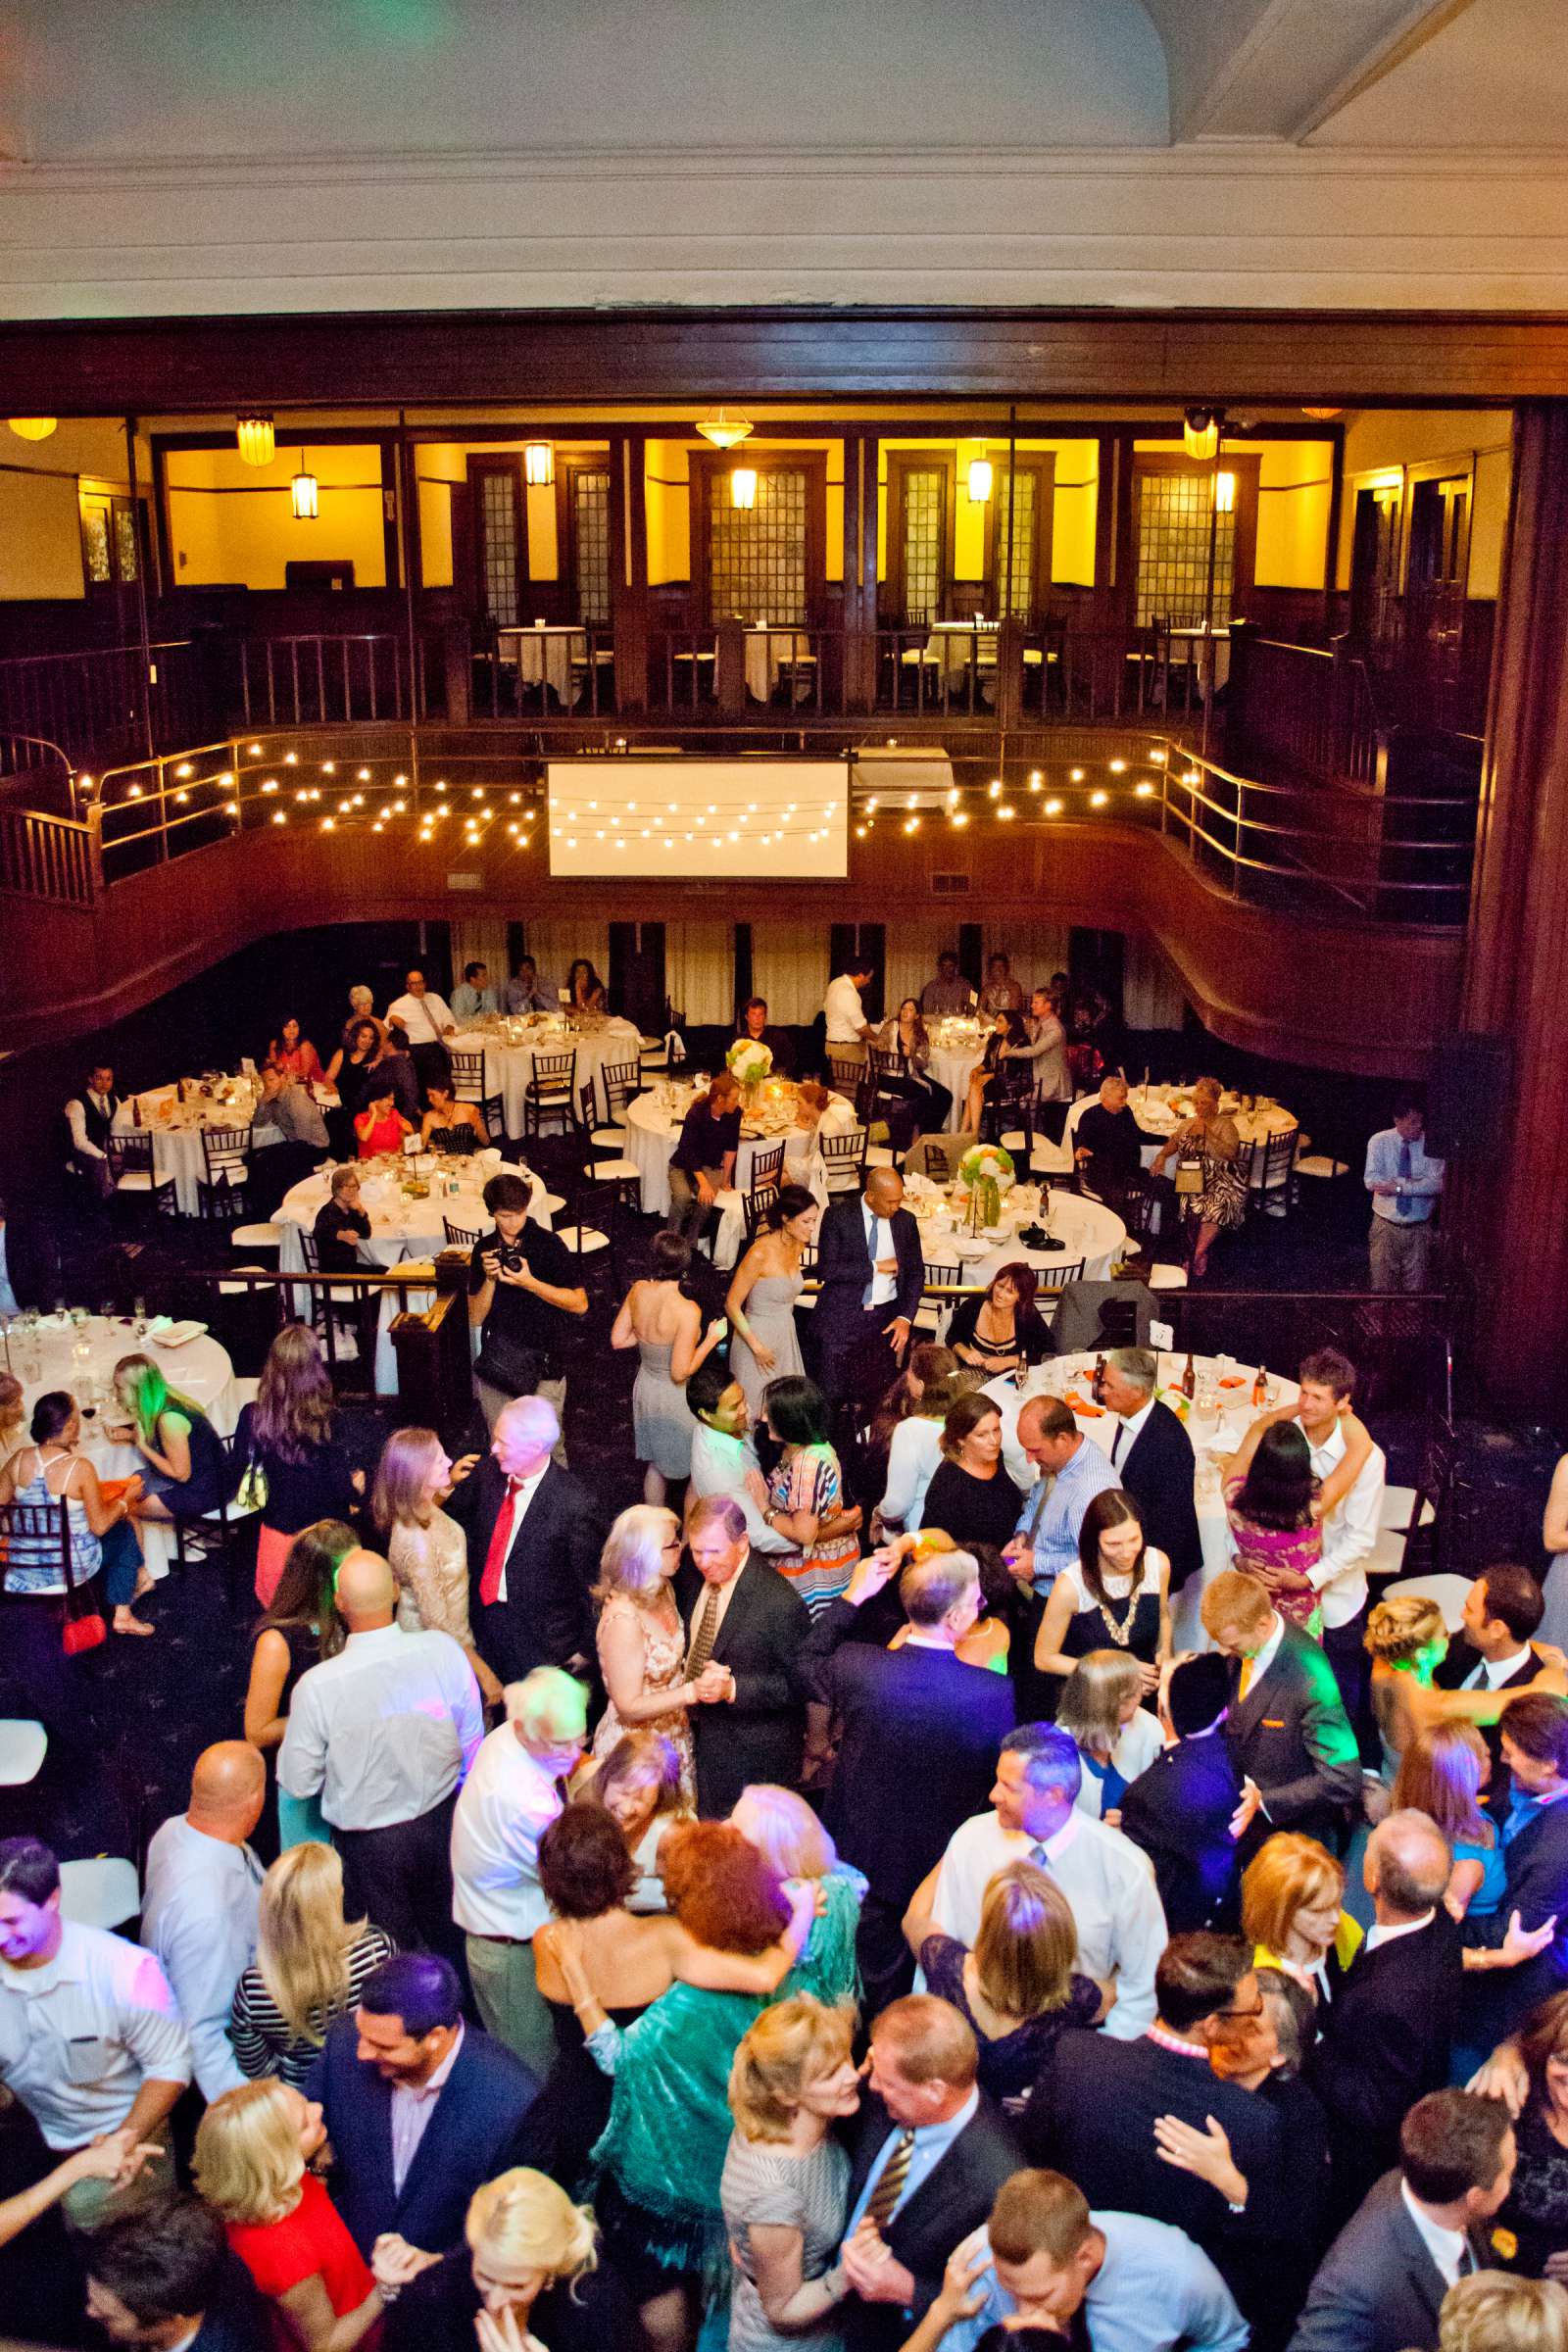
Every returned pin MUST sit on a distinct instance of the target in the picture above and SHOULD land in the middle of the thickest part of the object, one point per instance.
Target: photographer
(521, 1288)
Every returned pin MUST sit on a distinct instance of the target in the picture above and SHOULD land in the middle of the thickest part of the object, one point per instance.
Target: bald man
(199, 1911)
(1383, 2040)
(384, 1733)
(872, 1271)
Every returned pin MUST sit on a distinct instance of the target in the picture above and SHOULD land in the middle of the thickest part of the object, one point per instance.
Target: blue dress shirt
(1062, 1516)
(1391, 1159)
(1154, 2290)
(931, 2144)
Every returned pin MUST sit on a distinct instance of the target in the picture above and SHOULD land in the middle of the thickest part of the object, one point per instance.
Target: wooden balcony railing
(326, 681)
(110, 701)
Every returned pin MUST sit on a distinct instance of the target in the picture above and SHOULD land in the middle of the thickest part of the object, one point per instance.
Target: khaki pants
(1401, 1254)
(510, 2004)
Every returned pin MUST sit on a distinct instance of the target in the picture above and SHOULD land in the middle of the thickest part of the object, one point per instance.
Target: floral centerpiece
(985, 1173)
(750, 1062)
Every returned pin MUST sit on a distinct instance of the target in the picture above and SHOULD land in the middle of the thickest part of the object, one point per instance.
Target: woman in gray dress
(786, 2177)
(666, 1330)
(760, 1305)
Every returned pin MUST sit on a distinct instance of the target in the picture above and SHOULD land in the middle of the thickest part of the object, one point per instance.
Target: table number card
(1162, 1338)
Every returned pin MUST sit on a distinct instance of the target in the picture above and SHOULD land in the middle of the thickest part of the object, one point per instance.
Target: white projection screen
(753, 820)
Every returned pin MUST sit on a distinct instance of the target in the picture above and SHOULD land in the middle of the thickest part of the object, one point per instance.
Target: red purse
(85, 1627)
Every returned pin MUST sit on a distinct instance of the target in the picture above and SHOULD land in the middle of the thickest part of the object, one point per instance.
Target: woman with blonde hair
(1442, 1774)
(1019, 1988)
(1490, 2312)
(1407, 1638)
(287, 1437)
(309, 1967)
(785, 2184)
(253, 2152)
(185, 1468)
(1101, 1706)
(427, 1550)
(1293, 1914)
(638, 1782)
(642, 1640)
(529, 2252)
(792, 1842)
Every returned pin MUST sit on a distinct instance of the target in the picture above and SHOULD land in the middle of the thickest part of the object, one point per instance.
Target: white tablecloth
(176, 1132)
(1161, 1110)
(651, 1134)
(956, 1047)
(955, 645)
(200, 1370)
(557, 658)
(1216, 1428)
(399, 1228)
(1088, 1231)
(768, 653)
(508, 1066)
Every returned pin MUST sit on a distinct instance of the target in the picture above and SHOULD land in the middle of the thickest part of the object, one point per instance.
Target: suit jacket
(1455, 1669)
(1090, 2115)
(1290, 1733)
(547, 1618)
(479, 2127)
(760, 1735)
(889, 1705)
(1157, 1470)
(951, 2201)
(1498, 2001)
(844, 1268)
(1377, 2289)
(1383, 2044)
(1179, 1811)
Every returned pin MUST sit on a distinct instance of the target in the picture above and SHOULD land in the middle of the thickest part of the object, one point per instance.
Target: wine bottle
(1260, 1387)
(1189, 1379)
(135, 1111)
(1097, 1387)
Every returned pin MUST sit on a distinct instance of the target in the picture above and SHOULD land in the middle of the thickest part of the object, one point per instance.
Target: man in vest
(90, 1116)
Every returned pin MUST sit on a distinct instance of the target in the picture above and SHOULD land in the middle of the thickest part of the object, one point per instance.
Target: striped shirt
(260, 2034)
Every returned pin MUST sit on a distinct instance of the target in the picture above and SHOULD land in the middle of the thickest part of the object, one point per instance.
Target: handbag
(504, 1364)
(251, 1492)
(1188, 1179)
(84, 1628)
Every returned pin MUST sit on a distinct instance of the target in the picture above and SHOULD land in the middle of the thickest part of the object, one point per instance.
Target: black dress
(1010, 2065)
(298, 1493)
(455, 1141)
(576, 2097)
(972, 1510)
(1089, 1629)
(205, 1489)
(1537, 2211)
(436, 2312)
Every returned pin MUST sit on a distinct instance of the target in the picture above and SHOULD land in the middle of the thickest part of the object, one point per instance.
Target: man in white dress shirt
(90, 2038)
(1107, 1882)
(509, 1800)
(90, 1117)
(844, 1014)
(425, 1021)
(199, 1910)
(384, 1733)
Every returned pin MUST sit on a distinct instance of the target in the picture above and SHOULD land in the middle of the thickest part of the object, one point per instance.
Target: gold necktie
(707, 1632)
(890, 2182)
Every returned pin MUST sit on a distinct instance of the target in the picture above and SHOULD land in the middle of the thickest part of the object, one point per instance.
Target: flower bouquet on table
(750, 1062)
(985, 1175)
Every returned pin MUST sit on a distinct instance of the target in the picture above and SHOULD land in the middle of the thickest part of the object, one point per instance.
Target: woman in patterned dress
(1221, 1204)
(642, 1642)
(805, 1495)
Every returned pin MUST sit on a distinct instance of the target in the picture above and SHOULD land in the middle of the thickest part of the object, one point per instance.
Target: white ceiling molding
(1279, 68)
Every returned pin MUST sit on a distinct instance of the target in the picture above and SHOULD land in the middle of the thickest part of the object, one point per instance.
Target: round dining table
(403, 1226)
(1092, 1236)
(58, 1351)
(1160, 1109)
(1217, 1419)
(176, 1127)
(653, 1130)
(509, 1042)
(957, 1046)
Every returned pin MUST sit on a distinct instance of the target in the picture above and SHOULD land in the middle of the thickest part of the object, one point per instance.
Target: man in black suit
(534, 1539)
(1287, 1727)
(1102, 2112)
(930, 2153)
(160, 2273)
(1180, 1810)
(1380, 2287)
(742, 1615)
(873, 1709)
(1503, 1609)
(870, 1266)
(1384, 2039)
(1524, 1961)
(408, 2036)
(1152, 1456)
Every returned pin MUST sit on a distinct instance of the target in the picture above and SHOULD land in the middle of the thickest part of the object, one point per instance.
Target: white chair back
(23, 1746)
(103, 1892)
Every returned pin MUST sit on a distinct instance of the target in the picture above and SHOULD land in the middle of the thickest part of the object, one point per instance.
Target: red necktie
(495, 1559)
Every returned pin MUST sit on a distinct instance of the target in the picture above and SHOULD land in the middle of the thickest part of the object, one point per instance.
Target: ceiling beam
(1279, 68)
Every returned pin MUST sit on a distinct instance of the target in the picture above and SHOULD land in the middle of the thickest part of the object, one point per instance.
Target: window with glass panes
(590, 545)
(1012, 585)
(1174, 512)
(925, 535)
(498, 547)
(756, 555)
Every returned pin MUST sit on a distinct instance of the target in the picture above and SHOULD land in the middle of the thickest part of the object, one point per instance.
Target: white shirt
(912, 1457)
(523, 1489)
(726, 1593)
(1376, 1935)
(1450, 2250)
(1492, 1673)
(199, 1915)
(1266, 1657)
(1125, 1436)
(413, 2106)
(1139, 1744)
(1350, 1530)
(719, 1464)
(79, 2036)
(1108, 1882)
(879, 1244)
(1154, 2290)
(508, 1802)
(383, 1731)
(422, 1018)
(76, 1121)
(842, 1011)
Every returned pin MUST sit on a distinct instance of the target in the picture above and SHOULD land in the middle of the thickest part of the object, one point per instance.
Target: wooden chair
(1056, 1277)
(844, 1160)
(621, 1081)
(932, 1314)
(593, 1245)
(767, 1168)
(133, 1176)
(227, 1160)
(550, 1093)
(1271, 1185)
(468, 1084)
(849, 1078)
(34, 1535)
(608, 1162)
(457, 1237)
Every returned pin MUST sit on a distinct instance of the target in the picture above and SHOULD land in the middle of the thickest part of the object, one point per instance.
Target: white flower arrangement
(751, 1060)
(986, 1163)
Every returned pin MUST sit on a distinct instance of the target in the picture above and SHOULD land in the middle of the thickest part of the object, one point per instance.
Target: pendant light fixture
(981, 480)
(33, 428)
(1201, 433)
(305, 491)
(254, 437)
(723, 430)
(743, 486)
(539, 464)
